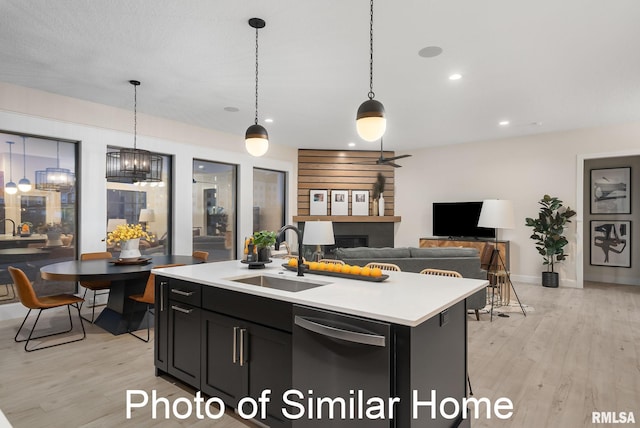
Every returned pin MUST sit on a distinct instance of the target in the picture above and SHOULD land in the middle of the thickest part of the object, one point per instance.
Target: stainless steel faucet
(13, 222)
(280, 237)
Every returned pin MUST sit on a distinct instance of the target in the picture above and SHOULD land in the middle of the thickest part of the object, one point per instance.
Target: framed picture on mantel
(339, 202)
(317, 202)
(359, 202)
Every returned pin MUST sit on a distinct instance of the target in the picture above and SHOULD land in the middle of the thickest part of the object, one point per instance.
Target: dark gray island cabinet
(232, 344)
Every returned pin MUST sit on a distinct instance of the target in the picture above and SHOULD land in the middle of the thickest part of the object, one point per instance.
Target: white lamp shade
(24, 185)
(318, 233)
(147, 214)
(257, 146)
(10, 188)
(371, 128)
(112, 223)
(497, 214)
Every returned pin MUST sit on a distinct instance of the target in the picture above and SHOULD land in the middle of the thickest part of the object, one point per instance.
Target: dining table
(121, 314)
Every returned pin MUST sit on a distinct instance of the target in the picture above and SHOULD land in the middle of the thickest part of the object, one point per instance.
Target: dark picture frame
(611, 190)
(610, 243)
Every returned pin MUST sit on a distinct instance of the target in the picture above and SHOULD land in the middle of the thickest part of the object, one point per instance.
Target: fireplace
(358, 234)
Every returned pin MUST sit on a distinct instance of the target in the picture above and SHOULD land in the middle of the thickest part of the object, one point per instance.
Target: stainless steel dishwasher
(339, 356)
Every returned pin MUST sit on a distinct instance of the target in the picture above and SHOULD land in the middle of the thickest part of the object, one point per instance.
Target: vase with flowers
(128, 236)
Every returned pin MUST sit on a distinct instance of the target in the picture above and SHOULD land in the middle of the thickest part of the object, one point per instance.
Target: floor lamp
(498, 214)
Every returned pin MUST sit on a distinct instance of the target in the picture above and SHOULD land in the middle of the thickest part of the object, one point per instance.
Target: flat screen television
(460, 220)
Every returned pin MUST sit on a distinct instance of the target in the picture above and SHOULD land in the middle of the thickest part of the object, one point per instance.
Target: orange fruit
(322, 266)
(366, 271)
(345, 269)
(376, 272)
(329, 267)
(293, 262)
(313, 265)
(355, 270)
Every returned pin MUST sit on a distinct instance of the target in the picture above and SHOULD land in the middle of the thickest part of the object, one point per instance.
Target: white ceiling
(545, 65)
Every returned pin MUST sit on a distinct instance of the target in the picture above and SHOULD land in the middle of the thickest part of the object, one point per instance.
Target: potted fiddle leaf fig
(263, 241)
(548, 232)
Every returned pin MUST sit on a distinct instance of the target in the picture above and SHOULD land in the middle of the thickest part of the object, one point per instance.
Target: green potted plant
(548, 231)
(263, 241)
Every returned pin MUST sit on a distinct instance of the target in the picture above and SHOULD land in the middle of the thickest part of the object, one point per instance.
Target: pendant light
(133, 165)
(256, 138)
(56, 179)
(371, 122)
(24, 184)
(10, 188)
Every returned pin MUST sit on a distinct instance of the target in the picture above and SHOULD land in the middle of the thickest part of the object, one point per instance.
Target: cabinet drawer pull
(182, 293)
(162, 285)
(183, 310)
(242, 361)
(235, 344)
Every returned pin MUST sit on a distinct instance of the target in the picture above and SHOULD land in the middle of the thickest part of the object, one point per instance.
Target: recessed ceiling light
(503, 123)
(268, 120)
(351, 144)
(455, 76)
(232, 109)
(200, 166)
(430, 51)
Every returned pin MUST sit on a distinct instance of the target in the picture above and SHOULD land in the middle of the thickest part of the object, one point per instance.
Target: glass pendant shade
(10, 188)
(24, 185)
(371, 123)
(256, 140)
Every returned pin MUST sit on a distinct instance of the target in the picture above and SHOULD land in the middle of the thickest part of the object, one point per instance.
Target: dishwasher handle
(337, 333)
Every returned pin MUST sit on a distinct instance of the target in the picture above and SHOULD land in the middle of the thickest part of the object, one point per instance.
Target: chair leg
(148, 314)
(469, 382)
(30, 337)
(477, 314)
(93, 306)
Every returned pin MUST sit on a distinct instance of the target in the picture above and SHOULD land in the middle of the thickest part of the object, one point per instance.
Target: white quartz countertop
(404, 298)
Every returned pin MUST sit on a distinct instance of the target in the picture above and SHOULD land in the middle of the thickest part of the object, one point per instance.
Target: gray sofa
(466, 261)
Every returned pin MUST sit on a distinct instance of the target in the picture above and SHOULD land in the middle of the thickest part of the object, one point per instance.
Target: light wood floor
(578, 352)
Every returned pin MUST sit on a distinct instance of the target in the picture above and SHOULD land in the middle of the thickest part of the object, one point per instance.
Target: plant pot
(130, 250)
(550, 279)
(54, 239)
(264, 254)
(374, 207)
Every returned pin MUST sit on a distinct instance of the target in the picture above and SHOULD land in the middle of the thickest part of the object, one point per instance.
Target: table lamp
(318, 233)
(146, 215)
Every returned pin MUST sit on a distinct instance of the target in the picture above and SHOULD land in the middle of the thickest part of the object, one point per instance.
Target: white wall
(24, 110)
(519, 169)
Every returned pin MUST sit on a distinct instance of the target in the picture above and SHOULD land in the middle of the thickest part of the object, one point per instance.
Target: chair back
(485, 259)
(441, 272)
(384, 266)
(202, 255)
(24, 288)
(149, 295)
(102, 255)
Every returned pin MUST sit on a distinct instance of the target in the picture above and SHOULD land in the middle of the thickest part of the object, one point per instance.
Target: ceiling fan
(384, 161)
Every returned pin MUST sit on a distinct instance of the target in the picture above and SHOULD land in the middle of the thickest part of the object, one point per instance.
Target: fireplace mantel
(349, 218)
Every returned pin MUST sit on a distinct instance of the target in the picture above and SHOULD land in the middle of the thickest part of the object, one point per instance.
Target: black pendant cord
(371, 93)
(135, 114)
(256, 118)
(24, 157)
(10, 163)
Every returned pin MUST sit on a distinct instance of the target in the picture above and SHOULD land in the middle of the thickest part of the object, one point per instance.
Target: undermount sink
(284, 284)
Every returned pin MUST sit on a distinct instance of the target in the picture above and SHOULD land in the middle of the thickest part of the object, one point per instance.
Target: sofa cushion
(373, 254)
(443, 252)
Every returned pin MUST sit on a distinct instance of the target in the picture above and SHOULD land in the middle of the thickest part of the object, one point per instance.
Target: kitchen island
(354, 344)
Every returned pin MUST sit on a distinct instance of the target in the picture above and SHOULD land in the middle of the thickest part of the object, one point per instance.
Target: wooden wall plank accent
(341, 170)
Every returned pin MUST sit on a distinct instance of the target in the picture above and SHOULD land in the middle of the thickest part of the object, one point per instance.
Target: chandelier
(56, 179)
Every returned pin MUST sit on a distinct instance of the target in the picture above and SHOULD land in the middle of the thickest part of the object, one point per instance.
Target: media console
(478, 243)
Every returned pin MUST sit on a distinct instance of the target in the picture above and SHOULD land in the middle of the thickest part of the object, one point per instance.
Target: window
(214, 209)
(37, 226)
(147, 203)
(269, 189)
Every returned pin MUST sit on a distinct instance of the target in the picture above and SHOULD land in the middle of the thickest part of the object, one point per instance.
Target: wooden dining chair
(148, 298)
(202, 255)
(441, 272)
(30, 300)
(332, 261)
(99, 288)
(384, 266)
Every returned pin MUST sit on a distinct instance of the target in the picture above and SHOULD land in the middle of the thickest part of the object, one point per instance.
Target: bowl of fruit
(339, 270)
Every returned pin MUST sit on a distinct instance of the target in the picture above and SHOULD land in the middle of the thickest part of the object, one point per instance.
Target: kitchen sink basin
(279, 283)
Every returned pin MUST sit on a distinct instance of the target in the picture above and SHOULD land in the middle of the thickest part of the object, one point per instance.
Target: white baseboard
(531, 279)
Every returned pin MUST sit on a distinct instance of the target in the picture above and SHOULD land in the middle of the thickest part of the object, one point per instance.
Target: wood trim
(342, 170)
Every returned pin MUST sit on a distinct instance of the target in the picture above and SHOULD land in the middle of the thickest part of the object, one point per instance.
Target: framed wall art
(317, 202)
(359, 202)
(611, 191)
(339, 202)
(611, 243)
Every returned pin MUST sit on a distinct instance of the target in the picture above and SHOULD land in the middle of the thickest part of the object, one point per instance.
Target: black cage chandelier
(134, 165)
(56, 179)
